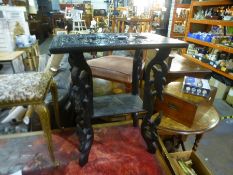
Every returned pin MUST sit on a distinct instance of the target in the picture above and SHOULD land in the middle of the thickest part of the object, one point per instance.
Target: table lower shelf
(114, 105)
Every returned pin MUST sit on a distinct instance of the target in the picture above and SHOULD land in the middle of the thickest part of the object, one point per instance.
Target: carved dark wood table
(86, 107)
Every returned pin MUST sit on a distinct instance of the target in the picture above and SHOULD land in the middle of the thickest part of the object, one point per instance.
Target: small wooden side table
(10, 57)
(32, 56)
(205, 119)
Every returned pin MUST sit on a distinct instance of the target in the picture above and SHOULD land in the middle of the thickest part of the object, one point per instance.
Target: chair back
(68, 11)
(76, 15)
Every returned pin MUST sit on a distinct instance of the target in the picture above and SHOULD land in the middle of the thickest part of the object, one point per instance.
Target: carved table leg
(135, 119)
(82, 103)
(137, 68)
(153, 88)
(196, 142)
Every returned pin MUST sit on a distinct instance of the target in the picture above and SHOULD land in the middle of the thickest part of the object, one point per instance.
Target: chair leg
(43, 114)
(73, 25)
(79, 26)
(135, 119)
(85, 25)
(53, 89)
(128, 87)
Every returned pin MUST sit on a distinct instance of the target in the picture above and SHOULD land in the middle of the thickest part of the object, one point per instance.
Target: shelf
(179, 19)
(182, 5)
(175, 34)
(212, 22)
(212, 3)
(200, 26)
(216, 46)
(114, 105)
(208, 66)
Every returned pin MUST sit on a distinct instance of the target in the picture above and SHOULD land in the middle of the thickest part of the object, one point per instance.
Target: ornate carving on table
(153, 89)
(82, 103)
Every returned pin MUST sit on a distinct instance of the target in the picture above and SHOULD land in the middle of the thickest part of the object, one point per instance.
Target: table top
(181, 64)
(207, 121)
(9, 56)
(112, 41)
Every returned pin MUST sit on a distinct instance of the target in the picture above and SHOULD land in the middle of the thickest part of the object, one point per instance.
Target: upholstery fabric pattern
(24, 87)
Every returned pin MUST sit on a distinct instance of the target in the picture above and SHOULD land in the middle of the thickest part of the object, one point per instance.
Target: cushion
(112, 67)
(24, 87)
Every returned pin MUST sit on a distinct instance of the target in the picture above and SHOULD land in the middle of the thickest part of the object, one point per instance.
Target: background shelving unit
(195, 25)
(179, 20)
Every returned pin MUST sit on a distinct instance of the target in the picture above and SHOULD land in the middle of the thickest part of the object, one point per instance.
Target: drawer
(177, 109)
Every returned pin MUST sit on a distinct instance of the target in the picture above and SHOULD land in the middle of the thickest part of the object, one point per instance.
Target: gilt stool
(31, 89)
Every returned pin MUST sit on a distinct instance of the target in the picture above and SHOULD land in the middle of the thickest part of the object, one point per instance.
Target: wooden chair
(114, 68)
(119, 68)
(68, 12)
(78, 22)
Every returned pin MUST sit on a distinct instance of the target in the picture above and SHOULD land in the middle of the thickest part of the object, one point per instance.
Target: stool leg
(43, 114)
(53, 89)
(197, 140)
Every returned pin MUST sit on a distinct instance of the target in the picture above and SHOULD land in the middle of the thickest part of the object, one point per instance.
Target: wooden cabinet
(206, 24)
(179, 21)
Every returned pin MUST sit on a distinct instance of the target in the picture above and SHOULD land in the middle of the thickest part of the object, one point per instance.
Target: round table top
(205, 122)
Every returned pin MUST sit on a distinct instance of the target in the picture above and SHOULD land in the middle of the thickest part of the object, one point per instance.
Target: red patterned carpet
(116, 151)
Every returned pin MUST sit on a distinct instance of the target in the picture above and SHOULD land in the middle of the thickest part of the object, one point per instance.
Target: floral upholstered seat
(24, 87)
